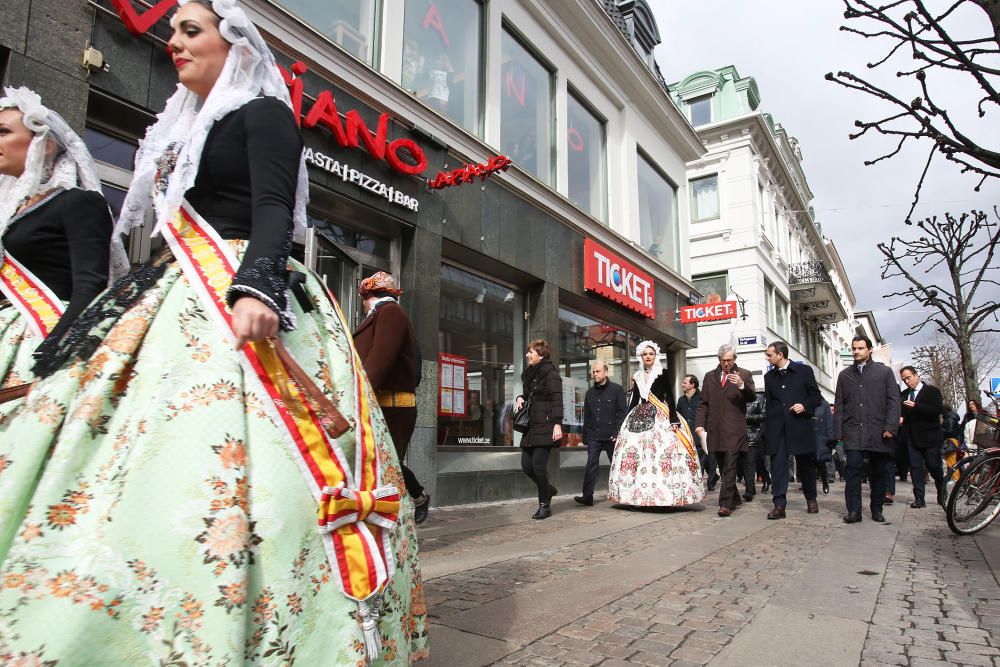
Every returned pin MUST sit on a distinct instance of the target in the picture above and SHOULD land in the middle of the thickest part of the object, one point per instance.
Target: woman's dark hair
(541, 348)
(979, 406)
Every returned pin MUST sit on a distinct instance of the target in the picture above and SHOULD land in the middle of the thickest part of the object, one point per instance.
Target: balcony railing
(808, 272)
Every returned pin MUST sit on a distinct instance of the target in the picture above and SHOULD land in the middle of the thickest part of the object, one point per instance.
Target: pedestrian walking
(792, 396)
(604, 408)
(655, 463)
(387, 348)
(920, 428)
(825, 442)
(687, 407)
(866, 419)
(216, 448)
(756, 457)
(722, 413)
(542, 392)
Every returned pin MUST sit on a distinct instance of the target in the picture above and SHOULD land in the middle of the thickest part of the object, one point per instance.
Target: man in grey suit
(866, 418)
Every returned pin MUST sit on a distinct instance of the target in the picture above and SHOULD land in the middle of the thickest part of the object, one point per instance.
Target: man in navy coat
(920, 429)
(791, 396)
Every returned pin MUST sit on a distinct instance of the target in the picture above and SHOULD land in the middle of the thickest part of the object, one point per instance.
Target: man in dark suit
(791, 396)
(920, 428)
(866, 419)
(387, 347)
(603, 414)
(722, 413)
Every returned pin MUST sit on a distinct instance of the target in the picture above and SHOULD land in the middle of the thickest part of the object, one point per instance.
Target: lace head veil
(644, 382)
(68, 166)
(179, 133)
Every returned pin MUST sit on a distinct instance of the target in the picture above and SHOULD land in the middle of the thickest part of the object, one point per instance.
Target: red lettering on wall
(138, 24)
(324, 112)
(376, 144)
(295, 89)
(467, 173)
(416, 154)
(433, 20)
(510, 87)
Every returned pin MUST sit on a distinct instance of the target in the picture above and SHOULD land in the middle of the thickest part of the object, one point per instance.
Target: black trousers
(872, 464)
(535, 464)
(594, 450)
(757, 457)
(727, 486)
(805, 465)
(401, 422)
(748, 463)
(931, 458)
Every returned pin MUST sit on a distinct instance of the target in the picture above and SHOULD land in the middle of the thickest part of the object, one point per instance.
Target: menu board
(451, 385)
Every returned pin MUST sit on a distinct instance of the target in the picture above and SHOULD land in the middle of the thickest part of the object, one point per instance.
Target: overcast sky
(788, 46)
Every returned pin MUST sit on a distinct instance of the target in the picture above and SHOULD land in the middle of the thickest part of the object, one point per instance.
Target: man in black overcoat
(866, 419)
(920, 428)
(791, 396)
(603, 414)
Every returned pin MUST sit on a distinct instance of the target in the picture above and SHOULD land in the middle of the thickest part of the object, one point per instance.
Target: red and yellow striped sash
(36, 302)
(356, 512)
(683, 433)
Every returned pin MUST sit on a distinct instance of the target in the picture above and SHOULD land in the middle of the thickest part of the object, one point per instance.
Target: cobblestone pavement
(935, 601)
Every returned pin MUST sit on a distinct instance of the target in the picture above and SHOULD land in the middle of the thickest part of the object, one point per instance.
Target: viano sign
(609, 275)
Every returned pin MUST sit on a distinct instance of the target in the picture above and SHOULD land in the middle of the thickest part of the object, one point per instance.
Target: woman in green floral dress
(158, 500)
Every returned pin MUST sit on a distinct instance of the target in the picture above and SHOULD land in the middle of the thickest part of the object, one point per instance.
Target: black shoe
(748, 496)
(918, 504)
(421, 508)
(766, 487)
(826, 487)
(584, 500)
(878, 516)
(712, 481)
(544, 511)
(853, 517)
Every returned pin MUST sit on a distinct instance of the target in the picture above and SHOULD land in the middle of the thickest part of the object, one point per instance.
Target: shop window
(525, 108)
(482, 326)
(366, 242)
(442, 46)
(583, 341)
(585, 141)
(700, 110)
(349, 23)
(657, 213)
(705, 198)
(713, 288)
(109, 149)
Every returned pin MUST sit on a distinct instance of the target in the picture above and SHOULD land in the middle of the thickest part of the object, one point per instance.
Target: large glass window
(441, 57)
(713, 288)
(525, 108)
(585, 157)
(481, 325)
(700, 110)
(349, 23)
(657, 213)
(780, 314)
(705, 198)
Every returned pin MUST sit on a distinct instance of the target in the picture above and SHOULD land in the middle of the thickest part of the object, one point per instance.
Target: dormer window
(700, 110)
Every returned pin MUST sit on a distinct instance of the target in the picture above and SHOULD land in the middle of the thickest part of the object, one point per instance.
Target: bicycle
(974, 501)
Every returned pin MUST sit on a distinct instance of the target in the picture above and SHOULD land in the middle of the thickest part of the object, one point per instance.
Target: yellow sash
(683, 433)
(36, 302)
(356, 512)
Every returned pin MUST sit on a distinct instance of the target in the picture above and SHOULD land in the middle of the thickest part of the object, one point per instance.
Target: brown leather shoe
(776, 513)
(812, 507)
(725, 511)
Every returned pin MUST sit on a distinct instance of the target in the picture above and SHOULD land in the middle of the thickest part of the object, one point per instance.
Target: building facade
(754, 238)
(410, 112)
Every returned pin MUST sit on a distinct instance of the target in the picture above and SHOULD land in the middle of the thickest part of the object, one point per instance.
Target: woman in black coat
(543, 389)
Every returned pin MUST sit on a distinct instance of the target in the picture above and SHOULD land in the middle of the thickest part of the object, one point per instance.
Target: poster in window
(451, 385)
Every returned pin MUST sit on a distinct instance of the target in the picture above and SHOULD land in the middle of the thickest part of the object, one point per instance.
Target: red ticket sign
(452, 380)
(609, 275)
(708, 312)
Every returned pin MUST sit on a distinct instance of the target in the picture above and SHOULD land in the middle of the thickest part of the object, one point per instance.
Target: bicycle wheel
(975, 500)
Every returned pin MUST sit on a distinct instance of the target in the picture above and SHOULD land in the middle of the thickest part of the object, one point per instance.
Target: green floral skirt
(151, 511)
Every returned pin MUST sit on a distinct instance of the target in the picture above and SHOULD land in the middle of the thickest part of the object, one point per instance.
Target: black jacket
(951, 426)
(921, 425)
(660, 389)
(543, 385)
(603, 412)
(797, 385)
(688, 407)
(867, 405)
(755, 420)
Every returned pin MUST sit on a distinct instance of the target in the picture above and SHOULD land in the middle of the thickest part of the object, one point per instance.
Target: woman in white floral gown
(655, 462)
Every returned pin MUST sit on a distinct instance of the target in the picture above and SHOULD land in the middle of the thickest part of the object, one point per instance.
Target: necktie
(861, 369)
(783, 371)
(913, 395)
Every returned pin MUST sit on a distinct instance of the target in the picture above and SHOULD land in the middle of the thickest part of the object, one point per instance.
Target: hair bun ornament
(29, 103)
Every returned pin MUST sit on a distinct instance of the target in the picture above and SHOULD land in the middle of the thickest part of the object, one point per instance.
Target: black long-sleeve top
(246, 190)
(661, 389)
(65, 242)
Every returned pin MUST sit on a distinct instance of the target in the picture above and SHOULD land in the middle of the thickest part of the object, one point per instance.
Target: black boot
(544, 511)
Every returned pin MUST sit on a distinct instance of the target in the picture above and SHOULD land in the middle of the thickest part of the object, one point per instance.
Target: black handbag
(520, 421)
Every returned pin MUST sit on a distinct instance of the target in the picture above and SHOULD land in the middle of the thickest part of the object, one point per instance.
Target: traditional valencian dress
(654, 465)
(54, 253)
(167, 499)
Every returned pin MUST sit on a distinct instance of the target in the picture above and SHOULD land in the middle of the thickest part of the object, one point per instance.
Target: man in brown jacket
(722, 411)
(387, 347)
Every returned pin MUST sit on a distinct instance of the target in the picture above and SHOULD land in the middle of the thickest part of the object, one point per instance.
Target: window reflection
(657, 213)
(526, 109)
(111, 150)
(349, 23)
(441, 47)
(585, 158)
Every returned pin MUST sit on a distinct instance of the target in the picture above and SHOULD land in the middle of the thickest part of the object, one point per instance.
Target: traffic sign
(995, 386)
